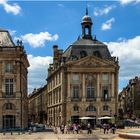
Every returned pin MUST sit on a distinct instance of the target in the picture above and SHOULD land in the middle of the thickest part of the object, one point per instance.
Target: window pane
(105, 77)
(75, 92)
(9, 86)
(8, 67)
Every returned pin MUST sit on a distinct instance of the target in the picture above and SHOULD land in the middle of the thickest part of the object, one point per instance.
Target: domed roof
(87, 19)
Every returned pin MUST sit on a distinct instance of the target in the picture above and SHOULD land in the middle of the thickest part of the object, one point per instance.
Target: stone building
(13, 83)
(83, 80)
(38, 105)
(129, 105)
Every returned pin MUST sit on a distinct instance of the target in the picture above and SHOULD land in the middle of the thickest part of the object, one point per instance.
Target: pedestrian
(62, 128)
(104, 127)
(113, 128)
(107, 128)
(66, 129)
(89, 128)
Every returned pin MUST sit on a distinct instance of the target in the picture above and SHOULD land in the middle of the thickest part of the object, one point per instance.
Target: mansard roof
(87, 47)
(5, 38)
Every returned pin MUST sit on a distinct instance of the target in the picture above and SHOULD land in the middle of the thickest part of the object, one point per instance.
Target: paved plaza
(96, 135)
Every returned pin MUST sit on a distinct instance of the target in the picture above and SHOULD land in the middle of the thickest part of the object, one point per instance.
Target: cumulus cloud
(125, 2)
(103, 11)
(128, 52)
(38, 40)
(37, 71)
(14, 8)
(12, 32)
(108, 24)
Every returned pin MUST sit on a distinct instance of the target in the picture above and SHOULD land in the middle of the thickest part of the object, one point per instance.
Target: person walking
(113, 128)
(88, 128)
(104, 127)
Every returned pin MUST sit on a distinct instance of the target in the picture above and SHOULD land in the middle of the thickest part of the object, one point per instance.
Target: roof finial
(86, 8)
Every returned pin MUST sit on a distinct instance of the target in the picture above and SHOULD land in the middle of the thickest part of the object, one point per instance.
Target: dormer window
(97, 54)
(83, 54)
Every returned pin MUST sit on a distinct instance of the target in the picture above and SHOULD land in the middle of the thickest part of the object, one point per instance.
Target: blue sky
(42, 24)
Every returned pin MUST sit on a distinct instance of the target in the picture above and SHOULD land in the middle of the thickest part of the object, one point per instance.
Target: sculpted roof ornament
(86, 18)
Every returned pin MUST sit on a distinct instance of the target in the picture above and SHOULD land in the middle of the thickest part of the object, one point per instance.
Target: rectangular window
(105, 93)
(75, 92)
(105, 77)
(75, 78)
(8, 67)
(90, 92)
(8, 87)
(105, 108)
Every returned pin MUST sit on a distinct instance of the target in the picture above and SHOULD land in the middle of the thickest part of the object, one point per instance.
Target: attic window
(74, 57)
(97, 54)
(83, 54)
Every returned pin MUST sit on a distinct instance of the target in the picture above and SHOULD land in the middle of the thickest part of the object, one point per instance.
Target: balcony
(90, 99)
(5, 95)
(106, 99)
(75, 99)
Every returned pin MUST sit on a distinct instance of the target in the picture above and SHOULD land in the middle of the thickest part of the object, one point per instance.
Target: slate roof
(89, 46)
(5, 38)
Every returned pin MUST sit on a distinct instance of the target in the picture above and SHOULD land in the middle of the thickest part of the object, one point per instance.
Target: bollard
(3, 133)
(11, 133)
(18, 133)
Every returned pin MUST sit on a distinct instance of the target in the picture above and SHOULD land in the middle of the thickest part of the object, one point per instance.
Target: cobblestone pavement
(96, 135)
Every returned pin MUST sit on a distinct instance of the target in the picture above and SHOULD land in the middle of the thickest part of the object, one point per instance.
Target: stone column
(84, 88)
(112, 83)
(98, 85)
(68, 88)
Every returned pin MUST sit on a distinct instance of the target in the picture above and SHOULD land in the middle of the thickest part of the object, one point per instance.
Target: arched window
(90, 87)
(91, 108)
(83, 54)
(97, 54)
(75, 108)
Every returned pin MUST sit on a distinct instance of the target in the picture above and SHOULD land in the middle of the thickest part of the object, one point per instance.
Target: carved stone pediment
(92, 61)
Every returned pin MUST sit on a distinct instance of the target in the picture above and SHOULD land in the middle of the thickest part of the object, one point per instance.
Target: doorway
(9, 121)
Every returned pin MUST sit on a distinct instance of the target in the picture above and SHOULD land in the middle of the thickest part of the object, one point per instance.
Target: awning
(105, 117)
(86, 118)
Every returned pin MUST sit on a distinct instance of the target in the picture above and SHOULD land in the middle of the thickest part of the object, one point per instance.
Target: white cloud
(108, 24)
(128, 52)
(12, 32)
(38, 71)
(125, 2)
(14, 8)
(104, 11)
(38, 40)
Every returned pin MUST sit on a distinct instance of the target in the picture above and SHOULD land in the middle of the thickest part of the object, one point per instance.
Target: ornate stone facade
(129, 105)
(13, 83)
(83, 80)
(38, 105)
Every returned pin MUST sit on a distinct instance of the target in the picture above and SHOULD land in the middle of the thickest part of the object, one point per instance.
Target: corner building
(83, 80)
(13, 83)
